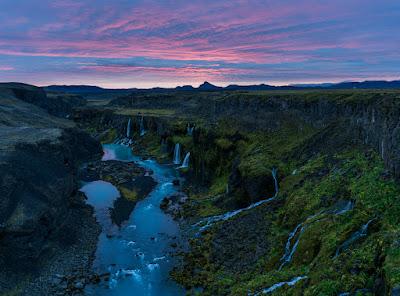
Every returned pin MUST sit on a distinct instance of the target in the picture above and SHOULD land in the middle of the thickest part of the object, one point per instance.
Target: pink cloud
(192, 72)
(6, 68)
(244, 34)
(238, 25)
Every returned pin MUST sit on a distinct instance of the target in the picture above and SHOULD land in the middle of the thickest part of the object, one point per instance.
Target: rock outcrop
(39, 157)
(56, 104)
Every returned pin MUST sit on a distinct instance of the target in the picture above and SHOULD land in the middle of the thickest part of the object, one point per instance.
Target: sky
(144, 43)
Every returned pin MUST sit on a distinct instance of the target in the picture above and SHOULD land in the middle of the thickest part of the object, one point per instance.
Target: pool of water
(138, 255)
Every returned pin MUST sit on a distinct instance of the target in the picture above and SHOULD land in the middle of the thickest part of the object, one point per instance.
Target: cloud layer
(125, 43)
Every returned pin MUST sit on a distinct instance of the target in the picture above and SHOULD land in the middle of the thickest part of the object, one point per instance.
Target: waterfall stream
(290, 248)
(189, 130)
(185, 163)
(299, 229)
(141, 127)
(223, 217)
(271, 289)
(363, 231)
(177, 154)
(128, 129)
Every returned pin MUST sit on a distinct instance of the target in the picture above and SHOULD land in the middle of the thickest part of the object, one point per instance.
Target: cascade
(128, 129)
(177, 153)
(141, 127)
(289, 249)
(185, 163)
(190, 130)
(363, 231)
(223, 217)
(290, 283)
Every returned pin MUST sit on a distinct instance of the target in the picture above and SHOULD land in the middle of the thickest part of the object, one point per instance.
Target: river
(139, 255)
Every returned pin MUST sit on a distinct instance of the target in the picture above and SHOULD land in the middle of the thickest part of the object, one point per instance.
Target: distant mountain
(367, 85)
(373, 84)
(313, 85)
(233, 87)
(249, 87)
(84, 89)
(185, 88)
(207, 86)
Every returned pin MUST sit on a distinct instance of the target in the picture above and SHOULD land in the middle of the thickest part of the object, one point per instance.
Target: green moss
(146, 112)
(109, 136)
(185, 141)
(353, 174)
(218, 186)
(207, 209)
(224, 143)
(128, 194)
(14, 292)
(312, 178)
(150, 145)
(260, 153)
(392, 263)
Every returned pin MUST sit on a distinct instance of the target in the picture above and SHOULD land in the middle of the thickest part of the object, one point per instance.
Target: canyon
(292, 192)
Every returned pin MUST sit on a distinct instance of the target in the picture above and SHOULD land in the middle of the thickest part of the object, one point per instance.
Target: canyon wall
(39, 158)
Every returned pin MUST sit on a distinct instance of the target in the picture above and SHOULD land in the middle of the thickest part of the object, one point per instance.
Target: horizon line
(223, 85)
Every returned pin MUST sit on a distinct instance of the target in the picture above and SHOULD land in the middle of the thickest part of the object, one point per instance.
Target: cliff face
(60, 105)
(39, 156)
(331, 185)
(372, 121)
(368, 118)
(38, 186)
(372, 117)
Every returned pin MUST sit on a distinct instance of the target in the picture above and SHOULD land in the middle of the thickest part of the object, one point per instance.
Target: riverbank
(331, 172)
(331, 228)
(138, 253)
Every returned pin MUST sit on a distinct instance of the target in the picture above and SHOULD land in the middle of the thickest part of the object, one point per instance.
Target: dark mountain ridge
(207, 86)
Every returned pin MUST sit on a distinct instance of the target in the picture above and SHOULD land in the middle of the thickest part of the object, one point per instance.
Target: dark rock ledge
(46, 228)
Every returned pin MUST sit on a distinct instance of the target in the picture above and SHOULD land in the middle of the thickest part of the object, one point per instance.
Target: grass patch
(354, 174)
(109, 136)
(130, 195)
(146, 112)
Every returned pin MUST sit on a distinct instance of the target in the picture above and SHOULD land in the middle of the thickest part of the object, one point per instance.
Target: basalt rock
(39, 157)
(173, 204)
(60, 105)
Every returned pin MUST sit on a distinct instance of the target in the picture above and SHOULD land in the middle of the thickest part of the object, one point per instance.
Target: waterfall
(290, 283)
(274, 173)
(363, 231)
(177, 154)
(348, 206)
(223, 217)
(141, 127)
(289, 249)
(185, 163)
(128, 129)
(190, 130)
(299, 229)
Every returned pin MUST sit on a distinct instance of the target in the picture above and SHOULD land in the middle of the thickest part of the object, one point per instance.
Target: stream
(138, 255)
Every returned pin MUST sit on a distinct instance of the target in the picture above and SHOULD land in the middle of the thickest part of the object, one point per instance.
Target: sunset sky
(131, 43)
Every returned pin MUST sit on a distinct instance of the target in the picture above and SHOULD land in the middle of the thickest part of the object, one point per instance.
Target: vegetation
(355, 175)
(109, 136)
(130, 195)
(145, 112)
(320, 169)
